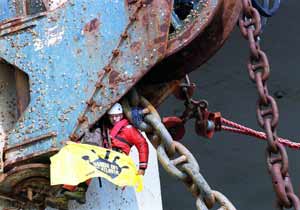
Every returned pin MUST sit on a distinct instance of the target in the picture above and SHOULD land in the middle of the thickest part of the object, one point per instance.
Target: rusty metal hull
(198, 42)
(79, 59)
(72, 63)
(70, 90)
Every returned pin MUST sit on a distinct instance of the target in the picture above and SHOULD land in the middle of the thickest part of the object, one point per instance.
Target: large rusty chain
(176, 159)
(267, 110)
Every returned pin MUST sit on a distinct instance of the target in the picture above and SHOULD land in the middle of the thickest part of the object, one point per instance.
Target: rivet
(90, 102)
(132, 18)
(107, 69)
(73, 137)
(116, 52)
(124, 35)
(99, 85)
(82, 119)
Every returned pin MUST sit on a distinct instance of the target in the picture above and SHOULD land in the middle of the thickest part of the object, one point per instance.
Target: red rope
(237, 128)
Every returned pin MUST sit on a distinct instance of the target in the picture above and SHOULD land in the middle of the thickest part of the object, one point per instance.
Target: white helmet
(116, 109)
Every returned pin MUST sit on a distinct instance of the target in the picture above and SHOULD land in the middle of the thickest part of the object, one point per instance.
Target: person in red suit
(123, 135)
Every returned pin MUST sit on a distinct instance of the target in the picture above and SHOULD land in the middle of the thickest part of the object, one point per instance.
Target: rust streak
(147, 2)
(92, 26)
(131, 1)
(164, 28)
(145, 20)
(160, 39)
(135, 46)
(113, 77)
(161, 50)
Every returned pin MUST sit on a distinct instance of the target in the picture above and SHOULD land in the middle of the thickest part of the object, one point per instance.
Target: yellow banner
(76, 163)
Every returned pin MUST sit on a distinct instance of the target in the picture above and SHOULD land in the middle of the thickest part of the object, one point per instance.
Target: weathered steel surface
(7, 10)
(104, 56)
(71, 60)
(132, 58)
(199, 18)
(205, 33)
(65, 54)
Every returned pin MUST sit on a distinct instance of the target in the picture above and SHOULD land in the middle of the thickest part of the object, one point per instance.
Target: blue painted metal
(264, 9)
(5, 11)
(15, 9)
(81, 56)
(65, 53)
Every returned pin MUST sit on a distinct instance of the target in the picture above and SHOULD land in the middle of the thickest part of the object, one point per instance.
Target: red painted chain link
(267, 111)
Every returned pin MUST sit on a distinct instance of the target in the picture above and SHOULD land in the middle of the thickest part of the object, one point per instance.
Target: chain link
(267, 110)
(175, 158)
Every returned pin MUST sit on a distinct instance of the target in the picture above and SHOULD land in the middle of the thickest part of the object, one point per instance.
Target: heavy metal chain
(267, 110)
(176, 159)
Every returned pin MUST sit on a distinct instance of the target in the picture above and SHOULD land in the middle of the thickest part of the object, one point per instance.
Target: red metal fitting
(180, 94)
(175, 126)
(210, 123)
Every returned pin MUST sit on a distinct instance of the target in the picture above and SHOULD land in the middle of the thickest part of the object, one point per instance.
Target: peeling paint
(54, 4)
(54, 35)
